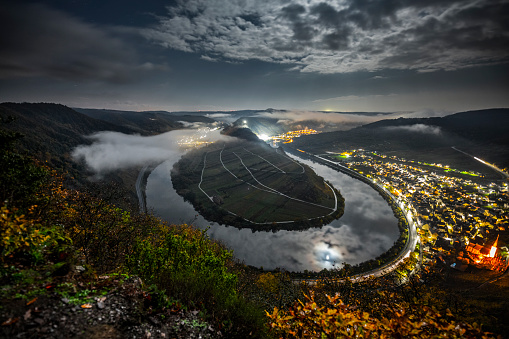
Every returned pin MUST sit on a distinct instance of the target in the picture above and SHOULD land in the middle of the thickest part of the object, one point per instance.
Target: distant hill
(270, 123)
(240, 132)
(144, 123)
(482, 125)
(51, 131)
(482, 133)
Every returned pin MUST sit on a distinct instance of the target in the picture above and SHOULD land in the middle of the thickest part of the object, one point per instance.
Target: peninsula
(247, 183)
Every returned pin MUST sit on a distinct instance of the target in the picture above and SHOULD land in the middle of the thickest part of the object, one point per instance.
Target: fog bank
(111, 151)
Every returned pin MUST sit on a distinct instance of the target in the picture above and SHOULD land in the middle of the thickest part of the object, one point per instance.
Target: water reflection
(367, 228)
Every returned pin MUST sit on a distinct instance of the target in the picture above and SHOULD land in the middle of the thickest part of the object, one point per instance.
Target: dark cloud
(252, 18)
(369, 15)
(337, 40)
(475, 36)
(292, 12)
(327, 15)
(342, 36)
(302, 31)
(39, 41)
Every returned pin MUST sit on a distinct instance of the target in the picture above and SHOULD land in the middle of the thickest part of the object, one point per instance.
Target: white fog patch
(188, 124)
(225, 117)
(418, 128)
(289, 117)
(111, 151)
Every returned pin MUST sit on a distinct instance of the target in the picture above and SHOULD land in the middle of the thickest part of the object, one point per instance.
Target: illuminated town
(287, 137)
(457, 218)
(197, 139)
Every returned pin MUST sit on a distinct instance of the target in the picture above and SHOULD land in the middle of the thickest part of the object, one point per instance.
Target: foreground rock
(123, 310)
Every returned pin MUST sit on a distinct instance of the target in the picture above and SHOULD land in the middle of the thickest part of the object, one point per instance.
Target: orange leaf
(31, 301)
(10, 321)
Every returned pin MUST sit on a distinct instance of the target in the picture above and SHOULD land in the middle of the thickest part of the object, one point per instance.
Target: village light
(264, 137)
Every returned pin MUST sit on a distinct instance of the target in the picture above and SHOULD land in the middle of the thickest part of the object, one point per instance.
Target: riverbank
(403, 247)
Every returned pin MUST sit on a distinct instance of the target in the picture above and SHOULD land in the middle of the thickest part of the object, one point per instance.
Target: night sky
(362, 55)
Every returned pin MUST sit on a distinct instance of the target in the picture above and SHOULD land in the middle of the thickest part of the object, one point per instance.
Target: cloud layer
(39, 41)
(341, 36)
(110, 151)
(322, 121)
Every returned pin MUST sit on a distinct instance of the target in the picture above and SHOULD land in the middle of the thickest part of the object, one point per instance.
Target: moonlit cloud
(193, 125)
(340, 36)
(225, 117)
(111, 151)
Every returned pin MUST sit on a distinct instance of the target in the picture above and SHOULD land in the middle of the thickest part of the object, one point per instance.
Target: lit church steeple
(494, 248)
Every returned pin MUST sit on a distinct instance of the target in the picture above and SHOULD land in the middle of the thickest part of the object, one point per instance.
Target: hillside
(145, 123)
(481, 125)
(247, 183)
(51, 131)
(241, 133)
(482, 133)
(75, 265)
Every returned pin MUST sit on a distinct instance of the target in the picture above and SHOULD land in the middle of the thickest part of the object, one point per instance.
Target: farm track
(252, 181)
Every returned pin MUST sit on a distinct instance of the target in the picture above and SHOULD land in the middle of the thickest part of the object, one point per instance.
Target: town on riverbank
(458, 215)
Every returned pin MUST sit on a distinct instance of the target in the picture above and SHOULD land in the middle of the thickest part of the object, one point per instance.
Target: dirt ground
(123, 312)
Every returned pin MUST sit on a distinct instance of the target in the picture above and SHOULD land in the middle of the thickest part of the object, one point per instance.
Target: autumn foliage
(42, 221)
(19, 233)
(336, 320)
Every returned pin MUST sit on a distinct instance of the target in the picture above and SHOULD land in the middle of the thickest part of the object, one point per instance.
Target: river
(367, 228)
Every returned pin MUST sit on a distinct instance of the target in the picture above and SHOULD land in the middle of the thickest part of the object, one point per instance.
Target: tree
(21, 177)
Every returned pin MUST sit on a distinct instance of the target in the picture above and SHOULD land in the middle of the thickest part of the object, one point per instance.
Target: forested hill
(482, 133)
(51, 131)
(144, 123)
(481, 125)
(241, 133)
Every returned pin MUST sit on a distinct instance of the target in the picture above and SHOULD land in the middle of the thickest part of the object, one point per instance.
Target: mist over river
(367, 228)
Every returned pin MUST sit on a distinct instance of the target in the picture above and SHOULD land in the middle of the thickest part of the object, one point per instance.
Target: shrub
(18, 234)
(186, 263)
(24, 236)
(191, 268)
(337, 320)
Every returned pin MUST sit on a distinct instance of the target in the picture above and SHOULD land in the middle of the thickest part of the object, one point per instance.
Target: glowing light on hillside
(264, 137)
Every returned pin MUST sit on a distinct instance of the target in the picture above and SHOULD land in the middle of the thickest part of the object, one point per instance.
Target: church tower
(493, 250)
